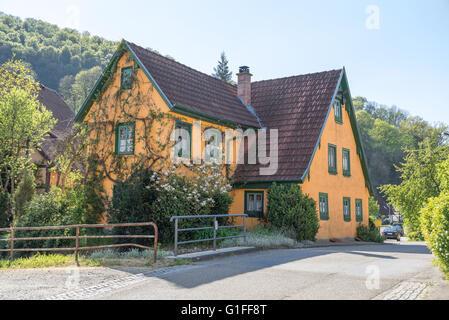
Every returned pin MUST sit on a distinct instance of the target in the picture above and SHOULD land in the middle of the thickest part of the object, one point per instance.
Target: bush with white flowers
(178, 191)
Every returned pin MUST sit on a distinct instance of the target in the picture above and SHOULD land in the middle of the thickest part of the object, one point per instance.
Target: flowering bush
(435, 228)
(178, 191)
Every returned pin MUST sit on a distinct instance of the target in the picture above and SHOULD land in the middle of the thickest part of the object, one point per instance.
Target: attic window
(337, 110)
(127, 78)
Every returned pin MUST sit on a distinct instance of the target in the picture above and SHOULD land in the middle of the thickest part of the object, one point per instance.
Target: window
(127, 78)
(332, 156)
(183, 142)
(347, 209)
(324, 206)
(359, 210)
(213, 142)
(254, 204)
(337, 110)
(124, 139)
(346, 163)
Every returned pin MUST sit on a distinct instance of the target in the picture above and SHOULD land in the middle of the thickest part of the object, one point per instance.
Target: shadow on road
(222, 268)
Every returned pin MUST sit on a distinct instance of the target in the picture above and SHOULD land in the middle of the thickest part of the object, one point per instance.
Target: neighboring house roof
(298, 107)
(62, 113)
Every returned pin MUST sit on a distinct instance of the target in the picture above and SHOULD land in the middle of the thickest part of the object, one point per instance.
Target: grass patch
(44, 261)
(103, 258)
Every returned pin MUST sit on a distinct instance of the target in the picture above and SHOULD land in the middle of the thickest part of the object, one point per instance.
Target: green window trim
(346, 171)
(359, 210)
(332, 153)
(347, 212)
(188, 127)
(128, 84)
(338, 111)
(324, 206)
(212, 150)
(254, 213)
(118, 139)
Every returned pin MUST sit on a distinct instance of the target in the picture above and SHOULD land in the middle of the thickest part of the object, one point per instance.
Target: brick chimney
(244, 84)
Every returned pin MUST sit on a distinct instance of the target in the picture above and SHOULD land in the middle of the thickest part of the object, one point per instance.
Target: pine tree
(222, 70)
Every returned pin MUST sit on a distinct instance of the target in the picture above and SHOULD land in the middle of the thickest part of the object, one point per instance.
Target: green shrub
(25, 192)
(289, 209)
(369, 234)
(435, 228)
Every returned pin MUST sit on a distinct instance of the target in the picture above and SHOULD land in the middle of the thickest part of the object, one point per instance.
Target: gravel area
(37, 284)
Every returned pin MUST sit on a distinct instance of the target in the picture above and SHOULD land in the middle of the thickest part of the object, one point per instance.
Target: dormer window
(127, 78)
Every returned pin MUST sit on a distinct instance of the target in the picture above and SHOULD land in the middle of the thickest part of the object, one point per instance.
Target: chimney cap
(244, 69)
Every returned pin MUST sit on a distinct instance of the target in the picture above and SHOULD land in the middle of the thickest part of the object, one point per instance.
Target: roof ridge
(297, 76)
(181, 64)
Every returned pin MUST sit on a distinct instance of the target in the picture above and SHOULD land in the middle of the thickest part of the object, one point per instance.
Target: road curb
(209, 255)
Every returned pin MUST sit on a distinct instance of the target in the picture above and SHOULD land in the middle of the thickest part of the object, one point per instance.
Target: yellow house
(318, 143)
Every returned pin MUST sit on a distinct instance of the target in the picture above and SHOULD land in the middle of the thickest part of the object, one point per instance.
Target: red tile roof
(195, 90)
(61, 112)
(298, 107)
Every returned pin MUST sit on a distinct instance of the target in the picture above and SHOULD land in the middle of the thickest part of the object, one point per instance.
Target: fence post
(77, 245)
(12, 244)
(176, 237)
(215, 233)
(155, 243)
(244, 230)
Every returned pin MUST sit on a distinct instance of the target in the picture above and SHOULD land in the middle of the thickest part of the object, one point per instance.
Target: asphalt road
(363, 272)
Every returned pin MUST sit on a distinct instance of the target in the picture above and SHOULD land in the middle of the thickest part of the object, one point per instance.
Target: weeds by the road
(266, 238)
(105, 258)
(45, 261)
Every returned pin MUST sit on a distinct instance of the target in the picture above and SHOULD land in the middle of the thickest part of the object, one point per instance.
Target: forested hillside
(52, 53)
(70, 62)
(386, 131)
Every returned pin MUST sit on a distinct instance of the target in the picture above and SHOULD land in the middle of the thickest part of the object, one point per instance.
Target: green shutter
(324, 206)
(346, 170)
(338, 111)
(359, 210)
(332, 158)
(347, 209)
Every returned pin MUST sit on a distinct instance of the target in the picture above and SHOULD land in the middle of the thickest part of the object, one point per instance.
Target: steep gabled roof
(185, 90)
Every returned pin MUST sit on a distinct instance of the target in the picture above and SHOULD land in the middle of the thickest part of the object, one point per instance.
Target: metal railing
(77, 237)
(215, 227)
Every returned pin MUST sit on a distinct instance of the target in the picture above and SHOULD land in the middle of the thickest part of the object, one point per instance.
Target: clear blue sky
(395, 52)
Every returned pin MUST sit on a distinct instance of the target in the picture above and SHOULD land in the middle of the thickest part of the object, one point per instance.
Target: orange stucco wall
(150, 99)
(336, 186)
(321, 181)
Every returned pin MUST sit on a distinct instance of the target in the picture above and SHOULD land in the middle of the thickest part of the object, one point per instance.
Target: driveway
(389, 271)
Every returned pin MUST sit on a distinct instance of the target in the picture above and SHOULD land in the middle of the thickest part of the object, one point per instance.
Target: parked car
(399, 228)
(391, 233)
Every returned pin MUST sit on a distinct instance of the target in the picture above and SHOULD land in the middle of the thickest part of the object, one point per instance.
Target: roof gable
(299, 108)
(183, 89)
